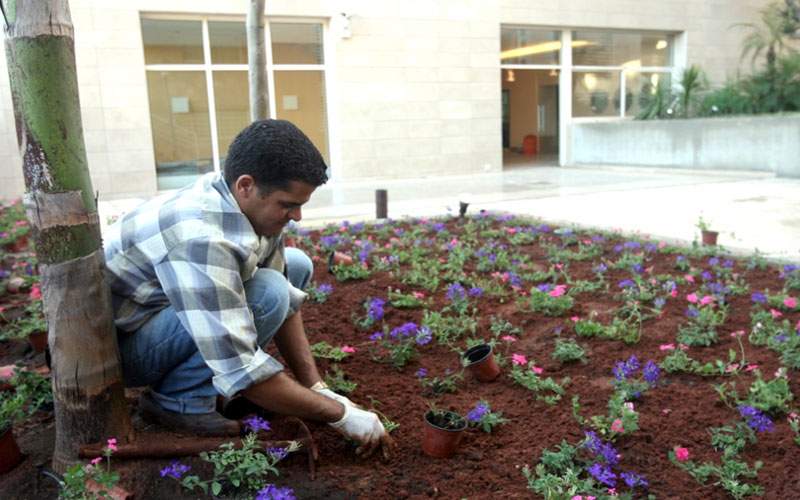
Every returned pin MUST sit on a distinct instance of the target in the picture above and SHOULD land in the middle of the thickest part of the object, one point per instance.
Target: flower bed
(628, 367)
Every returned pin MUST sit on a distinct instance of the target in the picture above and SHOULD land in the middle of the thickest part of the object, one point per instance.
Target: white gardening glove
(362, 426)
(322, 388)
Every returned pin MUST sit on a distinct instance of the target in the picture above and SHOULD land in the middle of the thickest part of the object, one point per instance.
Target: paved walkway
(751, 210)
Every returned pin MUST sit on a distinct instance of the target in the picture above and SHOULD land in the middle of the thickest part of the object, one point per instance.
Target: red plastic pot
(480, 361)
(38, 341)
(441, 440)
(10, 456)
(709, 237)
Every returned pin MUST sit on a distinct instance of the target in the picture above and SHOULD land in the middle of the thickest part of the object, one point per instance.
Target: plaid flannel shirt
(194, 250)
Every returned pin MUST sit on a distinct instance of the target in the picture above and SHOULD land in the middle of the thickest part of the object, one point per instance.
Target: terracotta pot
(441, 442)
(17, 246)
(481, 363)
(10, 456)
(38, 341)
(115, 493)
(709, 237)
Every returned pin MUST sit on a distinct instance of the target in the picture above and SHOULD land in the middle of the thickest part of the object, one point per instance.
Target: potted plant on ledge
(11, 410)
(708, 236)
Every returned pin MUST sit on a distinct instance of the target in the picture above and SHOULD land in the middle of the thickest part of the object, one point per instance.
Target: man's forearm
(281, 394)
(293, 345)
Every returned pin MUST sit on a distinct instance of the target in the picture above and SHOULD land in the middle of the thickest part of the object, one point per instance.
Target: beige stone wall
(415, 91)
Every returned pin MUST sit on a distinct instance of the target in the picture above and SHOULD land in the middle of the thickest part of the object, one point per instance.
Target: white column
(212, 106)
(565, 99)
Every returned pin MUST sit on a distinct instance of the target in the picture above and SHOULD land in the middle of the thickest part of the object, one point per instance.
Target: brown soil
(676, 413)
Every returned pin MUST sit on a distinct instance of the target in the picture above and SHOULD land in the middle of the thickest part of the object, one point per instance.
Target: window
(529, 46)
(199, 93)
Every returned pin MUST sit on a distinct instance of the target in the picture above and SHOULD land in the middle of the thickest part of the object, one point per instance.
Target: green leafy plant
(437, 386)
(567, 351)
(402, 300)
(337, 380)
(326, 351)
(347, 272)
(75, 484)
(319, 293)
(546, 389)
(547, 303)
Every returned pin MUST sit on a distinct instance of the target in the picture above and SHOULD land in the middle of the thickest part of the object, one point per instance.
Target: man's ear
(245, 186)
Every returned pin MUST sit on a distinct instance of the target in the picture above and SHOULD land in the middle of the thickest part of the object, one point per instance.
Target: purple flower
(602, 473)
(758, 298)
(544, 287)
(404, 330)
(476, 291)
(600, 268)
(376, 336)
(624, 369)
(272, 492)
(277, 453)
(637, 268)
(375, 309)
(598, 448)
(514, 279)
(707, 276)
(680, 258)
(456, 292)
(329, 242)
(175, 470)
(713, 261)
(627, 283)
(728, 263)
(756, 419)
(255, 424)
(438, 227)
(651, 247)
(633, 480)
(651, 373)
(632, 245)
(659, 302)
(476, 414)
(692, 312)
(424, 336)
(422, 373)
(325, 288)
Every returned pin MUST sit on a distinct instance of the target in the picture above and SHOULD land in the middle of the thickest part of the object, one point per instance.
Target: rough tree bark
(86, 373)
(257, 62)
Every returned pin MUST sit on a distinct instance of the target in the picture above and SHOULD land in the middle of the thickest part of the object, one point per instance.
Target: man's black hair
(274, 152)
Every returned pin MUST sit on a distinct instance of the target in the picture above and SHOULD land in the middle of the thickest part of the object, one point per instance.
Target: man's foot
(202, 424)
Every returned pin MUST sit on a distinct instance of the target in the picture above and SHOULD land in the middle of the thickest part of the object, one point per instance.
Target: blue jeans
(163, 355)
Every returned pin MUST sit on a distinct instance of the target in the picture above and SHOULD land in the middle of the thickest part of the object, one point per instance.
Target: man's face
(269, 213)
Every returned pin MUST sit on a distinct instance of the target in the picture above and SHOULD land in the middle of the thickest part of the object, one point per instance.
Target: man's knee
(268, 295)
(299, 267)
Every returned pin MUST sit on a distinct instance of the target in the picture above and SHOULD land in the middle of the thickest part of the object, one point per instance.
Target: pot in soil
(10, 455)
(481, 363)
(443, 430)
(709, 237)
(38, 340)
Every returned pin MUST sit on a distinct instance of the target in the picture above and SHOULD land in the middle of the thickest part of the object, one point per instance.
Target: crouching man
(201, 282)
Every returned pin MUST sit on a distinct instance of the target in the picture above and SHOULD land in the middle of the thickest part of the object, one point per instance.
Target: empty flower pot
(10, 456)
(709, 237)
(38, 340)
(443, 430)
(481, 363)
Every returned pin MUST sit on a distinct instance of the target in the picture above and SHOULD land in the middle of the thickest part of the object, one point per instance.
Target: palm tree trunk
(86, 375)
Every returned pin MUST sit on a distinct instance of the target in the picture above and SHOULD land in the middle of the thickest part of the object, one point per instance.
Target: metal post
(381, 204)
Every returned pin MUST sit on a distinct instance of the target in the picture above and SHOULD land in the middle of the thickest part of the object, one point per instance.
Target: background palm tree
(770, 37)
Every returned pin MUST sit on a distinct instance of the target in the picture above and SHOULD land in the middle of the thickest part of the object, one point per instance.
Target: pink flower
(681, 454)
(674, 293)
(616, 426)
(689, 278)
(509, 338)
(559, 266)
(519, 359)
(96, 460)
(790, 302)
(683, 347)
(454, 242)
(732, 367)
(537, 370)
(418, 295)
(348, 349)
(628, 405)
(775, 314)
(750, 367)
(662, 244)
(666, 347)
(511, 230)
(708, 299)
(737, 333)
(797, 326)
(692, 297)
(558, 291)
(36, 293)
(612, 492)
(112, 444)
(575, 319)
(666, 411)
